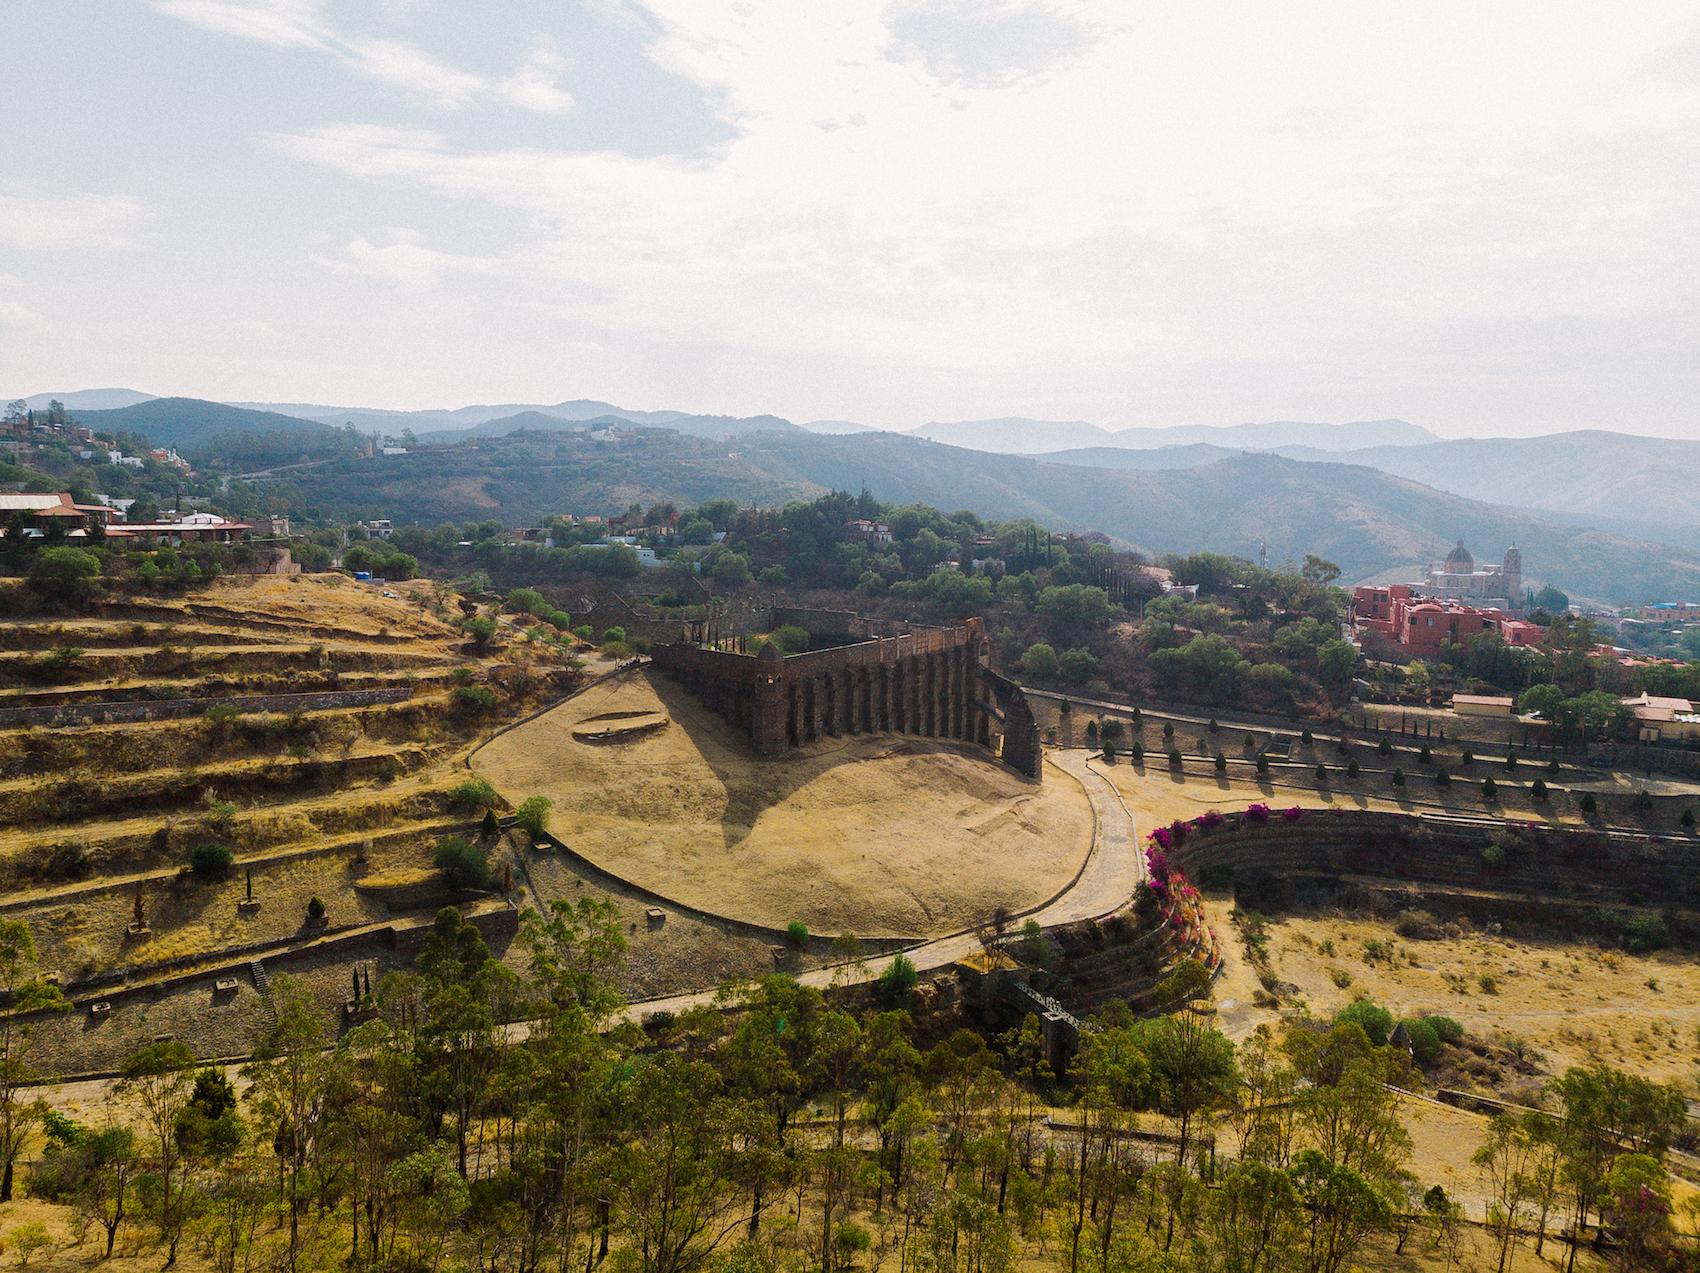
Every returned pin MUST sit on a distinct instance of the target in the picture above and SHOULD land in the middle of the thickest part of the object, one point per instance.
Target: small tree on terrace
(26, 995)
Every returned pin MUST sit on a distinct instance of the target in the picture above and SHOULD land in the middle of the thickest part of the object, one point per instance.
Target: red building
(1422, 624)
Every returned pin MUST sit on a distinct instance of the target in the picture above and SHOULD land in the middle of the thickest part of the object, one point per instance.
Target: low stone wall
(180, 708)
(1571, 875)
(1660, 760)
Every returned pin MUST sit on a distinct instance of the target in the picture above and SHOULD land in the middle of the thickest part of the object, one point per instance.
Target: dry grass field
(872, 834)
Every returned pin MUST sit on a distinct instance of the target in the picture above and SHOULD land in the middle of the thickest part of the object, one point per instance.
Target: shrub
(1643, 932)
(1442, 778)
(1221, 763)
(614, 634)
(1588, 804)
(897, 981)
(1425, 1039)
(1510, 761)
(1425, 756)
(1553, 765)
(1034, 948)
(1490, 791)
(476, 699)
(1417, 926)
(1138, 753)
(1384, 747)
(532, 816)
(492, 825)
(1213, 726)
(1111, 731)
(210, 861)
(471, 794)
(1168, 729)
(1687, 820)
(1538, 789)
(797, 933)
(791, 638)
(482, 630)
(316, 907)
(1263, 764)
(1642, 801)
(1398, 777)
(1488, 984)
(222, 713)
(1468, 758)
(584, 632)
(1352, 767)
(1092, 730)
(1493, 856)
(1377, 1022)
(1175, 758)
(1248, 741)
(1342, 747)
(1305, 737)
(465, 864)
(1110, 752)
(1448, 1029)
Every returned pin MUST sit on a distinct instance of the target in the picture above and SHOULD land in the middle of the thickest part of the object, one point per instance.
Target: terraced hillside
(312, 726)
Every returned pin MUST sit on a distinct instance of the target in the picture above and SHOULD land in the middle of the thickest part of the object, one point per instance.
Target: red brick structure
(1422, 624)
(933, 682)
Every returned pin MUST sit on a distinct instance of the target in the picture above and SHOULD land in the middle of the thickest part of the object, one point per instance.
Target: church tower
(1513, 572)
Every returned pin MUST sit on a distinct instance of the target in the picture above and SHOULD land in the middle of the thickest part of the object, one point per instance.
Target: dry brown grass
(873, 834)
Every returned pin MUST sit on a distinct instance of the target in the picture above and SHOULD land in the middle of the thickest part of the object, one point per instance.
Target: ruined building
(861, 676)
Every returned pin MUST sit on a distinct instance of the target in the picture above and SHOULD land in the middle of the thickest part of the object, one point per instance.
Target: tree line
(504, 1122)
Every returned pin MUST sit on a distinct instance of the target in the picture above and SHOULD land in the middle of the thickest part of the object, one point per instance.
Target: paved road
(1114, 866)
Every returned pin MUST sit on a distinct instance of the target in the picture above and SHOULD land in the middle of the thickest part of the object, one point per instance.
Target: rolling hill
(191, 422)
(1369, 522)
(1018, 436)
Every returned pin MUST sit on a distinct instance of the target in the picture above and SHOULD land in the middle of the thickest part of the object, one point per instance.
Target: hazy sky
(1479, 217)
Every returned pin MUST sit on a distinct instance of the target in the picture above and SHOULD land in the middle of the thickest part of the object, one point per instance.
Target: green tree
(287, 1080)
(158, 1079)
(1040, 662)
(66, 573)
(27, 995)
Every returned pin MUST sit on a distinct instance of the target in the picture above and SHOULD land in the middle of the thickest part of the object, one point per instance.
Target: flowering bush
(1157, 865)
(1211, 820)
(1177, 830)
(1257, 813)
(1293, 814)
(1160, 837)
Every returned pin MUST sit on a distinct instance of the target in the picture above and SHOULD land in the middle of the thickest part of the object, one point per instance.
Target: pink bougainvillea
(1293, 814)
(1257, 813)
(1210, 820)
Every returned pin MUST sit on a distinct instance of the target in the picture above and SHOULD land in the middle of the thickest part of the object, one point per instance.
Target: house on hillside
(1663, 720)
(40, 512)
(192, 528)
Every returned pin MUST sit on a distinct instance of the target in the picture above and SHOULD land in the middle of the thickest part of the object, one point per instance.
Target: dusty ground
(916, 837)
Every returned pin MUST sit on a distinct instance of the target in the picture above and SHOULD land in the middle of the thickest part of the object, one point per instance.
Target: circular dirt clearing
(875, 834)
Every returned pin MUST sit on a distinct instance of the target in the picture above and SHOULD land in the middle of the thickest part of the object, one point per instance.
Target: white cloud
(405, 260)
(37, 222)
(1174, 192)
(397, 64)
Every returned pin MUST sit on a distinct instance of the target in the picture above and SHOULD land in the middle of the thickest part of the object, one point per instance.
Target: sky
(1480, 217)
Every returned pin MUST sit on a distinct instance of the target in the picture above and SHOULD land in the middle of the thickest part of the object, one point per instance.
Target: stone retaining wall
(180, 708)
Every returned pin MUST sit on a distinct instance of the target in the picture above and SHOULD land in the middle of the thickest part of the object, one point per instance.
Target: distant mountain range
(1591, 509)
(89, 399)
(1019, 436)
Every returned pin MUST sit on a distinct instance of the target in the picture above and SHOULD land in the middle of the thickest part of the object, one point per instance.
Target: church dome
(1459, 561)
